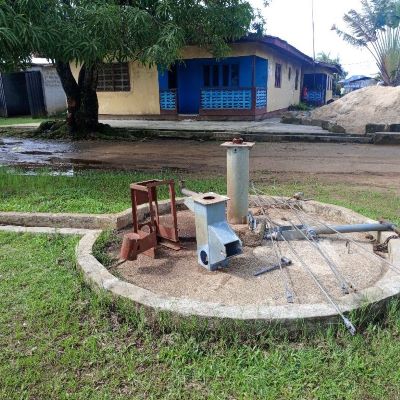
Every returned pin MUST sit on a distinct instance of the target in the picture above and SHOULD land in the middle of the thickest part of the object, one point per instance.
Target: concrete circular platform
(175, 283)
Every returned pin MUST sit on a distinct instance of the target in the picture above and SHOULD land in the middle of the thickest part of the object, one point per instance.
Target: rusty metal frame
(144, 242)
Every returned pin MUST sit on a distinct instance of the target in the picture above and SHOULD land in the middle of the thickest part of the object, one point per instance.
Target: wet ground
(366, 165)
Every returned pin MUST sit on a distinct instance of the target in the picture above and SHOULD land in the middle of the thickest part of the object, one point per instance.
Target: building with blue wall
(262, 76)
(259, 77)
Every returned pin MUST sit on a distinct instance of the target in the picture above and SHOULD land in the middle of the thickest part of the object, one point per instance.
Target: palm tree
(377, 29)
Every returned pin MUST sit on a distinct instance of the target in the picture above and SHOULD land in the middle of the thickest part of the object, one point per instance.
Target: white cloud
(291, 20)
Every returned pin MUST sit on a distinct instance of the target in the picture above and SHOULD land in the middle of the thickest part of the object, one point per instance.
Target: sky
(291, 20)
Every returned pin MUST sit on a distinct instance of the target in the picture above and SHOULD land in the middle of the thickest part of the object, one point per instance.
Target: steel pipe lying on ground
(290, 233)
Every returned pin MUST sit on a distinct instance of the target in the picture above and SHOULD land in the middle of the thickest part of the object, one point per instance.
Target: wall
(143, 97)
(54, 96)
(286, 95)
(190, 79)
(319, 70)
(15, 94)
(278, 98)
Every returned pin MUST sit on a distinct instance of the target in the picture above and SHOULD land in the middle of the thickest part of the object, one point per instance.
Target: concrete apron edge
(99, 277)
(76, 220)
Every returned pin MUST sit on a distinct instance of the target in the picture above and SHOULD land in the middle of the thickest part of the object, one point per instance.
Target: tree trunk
(88, 114)
(72, 92)
(82, 103)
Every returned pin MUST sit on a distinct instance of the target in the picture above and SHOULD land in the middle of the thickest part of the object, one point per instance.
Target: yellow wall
(144, 95)
(142, 99)
(286, 95)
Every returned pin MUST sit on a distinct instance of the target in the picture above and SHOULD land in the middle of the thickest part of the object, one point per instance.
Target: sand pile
(371, 105)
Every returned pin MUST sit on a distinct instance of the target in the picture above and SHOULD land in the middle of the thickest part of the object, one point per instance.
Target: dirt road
(365, 165)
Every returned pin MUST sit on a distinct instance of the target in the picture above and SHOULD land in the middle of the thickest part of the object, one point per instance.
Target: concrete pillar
(237, 174)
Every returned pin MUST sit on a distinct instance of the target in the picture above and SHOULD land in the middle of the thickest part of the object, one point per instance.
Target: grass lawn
(60, 340)
(20, 120)
(102, 192)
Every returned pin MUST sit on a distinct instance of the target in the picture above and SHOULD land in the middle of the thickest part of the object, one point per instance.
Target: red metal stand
(145, 241)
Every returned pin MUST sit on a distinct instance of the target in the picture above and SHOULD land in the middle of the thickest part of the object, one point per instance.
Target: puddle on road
(33, 152)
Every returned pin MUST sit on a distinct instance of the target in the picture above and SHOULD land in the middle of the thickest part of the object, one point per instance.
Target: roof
(356, 78)
(278, 44)
(285, 47)
(335, 68)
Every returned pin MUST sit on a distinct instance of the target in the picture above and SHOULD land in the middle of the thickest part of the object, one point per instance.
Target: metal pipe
(366, 251)
(237, 175)
(353, 228)
(299, 232)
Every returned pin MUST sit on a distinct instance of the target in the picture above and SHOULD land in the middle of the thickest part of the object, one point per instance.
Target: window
(278, 75)
(225, 75)
(206, 75)
(114, 78)
(217, 75)
(290, 73)
(235, 75)
(215, 79)
(296, 82)
(172, 78)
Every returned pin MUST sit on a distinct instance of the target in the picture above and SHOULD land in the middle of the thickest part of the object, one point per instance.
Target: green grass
(87, 191)
(60, 340)
(20, 120)
(102, 192)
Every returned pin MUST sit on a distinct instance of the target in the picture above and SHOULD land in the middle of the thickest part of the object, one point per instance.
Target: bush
(299, 107)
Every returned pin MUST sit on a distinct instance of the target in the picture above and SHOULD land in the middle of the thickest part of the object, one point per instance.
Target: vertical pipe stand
(237, 174)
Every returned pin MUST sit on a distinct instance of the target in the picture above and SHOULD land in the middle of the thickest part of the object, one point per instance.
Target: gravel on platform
(177, 273)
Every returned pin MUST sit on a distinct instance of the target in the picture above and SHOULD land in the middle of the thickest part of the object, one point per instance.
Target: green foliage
(299, 107)
(106, 239)
(85, 191)
(151, 31)
(19, 120)
(327, 58)
(61, 340)
(376, 28)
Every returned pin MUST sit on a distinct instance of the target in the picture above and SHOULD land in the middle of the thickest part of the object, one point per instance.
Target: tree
(16, 38)
(326, 58)
(376, 28)
(89, 33)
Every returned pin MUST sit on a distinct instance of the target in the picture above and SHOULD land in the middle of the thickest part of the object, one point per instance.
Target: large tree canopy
(376, 28)
(91, 32)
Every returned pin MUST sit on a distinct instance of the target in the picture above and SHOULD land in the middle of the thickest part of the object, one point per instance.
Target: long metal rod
(346, 321)
(332, 229)
(345, 284)
(348, 324)
(288, 291)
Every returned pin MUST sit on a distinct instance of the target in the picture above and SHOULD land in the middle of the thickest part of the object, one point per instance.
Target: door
(189, 86)
(34, 87)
